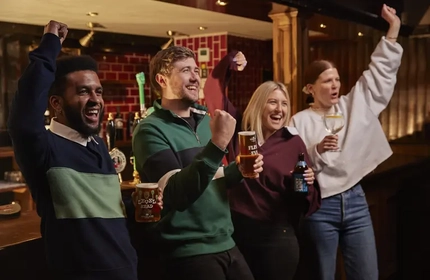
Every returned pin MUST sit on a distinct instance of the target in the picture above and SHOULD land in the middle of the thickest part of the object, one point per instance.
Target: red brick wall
(216, 43)
(117, 74)
(117, 71)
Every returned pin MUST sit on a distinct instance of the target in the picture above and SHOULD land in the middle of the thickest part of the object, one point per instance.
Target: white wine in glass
(334, 122)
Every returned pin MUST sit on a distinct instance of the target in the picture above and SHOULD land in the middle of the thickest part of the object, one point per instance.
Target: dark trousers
(228, 265)
(271, 251)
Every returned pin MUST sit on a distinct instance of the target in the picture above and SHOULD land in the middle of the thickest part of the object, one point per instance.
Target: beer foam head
(247, 133)
(147, 185)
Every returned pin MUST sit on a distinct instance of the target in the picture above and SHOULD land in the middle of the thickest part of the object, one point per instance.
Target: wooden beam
(290, 49)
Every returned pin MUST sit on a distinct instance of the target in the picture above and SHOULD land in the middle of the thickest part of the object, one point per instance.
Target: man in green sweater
(182, 148)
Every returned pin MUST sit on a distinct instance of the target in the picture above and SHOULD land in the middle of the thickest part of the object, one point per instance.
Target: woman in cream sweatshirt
(342, 160)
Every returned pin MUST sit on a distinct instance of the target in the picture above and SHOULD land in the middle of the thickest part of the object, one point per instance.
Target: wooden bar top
(127, 185)
(18, 230)
(9, 186)
(396, 163)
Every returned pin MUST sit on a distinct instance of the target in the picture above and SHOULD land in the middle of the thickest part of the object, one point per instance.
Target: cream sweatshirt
(362, 140)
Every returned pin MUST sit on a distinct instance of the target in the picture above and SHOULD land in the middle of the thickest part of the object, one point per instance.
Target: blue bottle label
(300, 184)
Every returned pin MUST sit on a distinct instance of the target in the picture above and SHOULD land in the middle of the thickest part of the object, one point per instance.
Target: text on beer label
(300, 184)
(146, 201)
(252, 147)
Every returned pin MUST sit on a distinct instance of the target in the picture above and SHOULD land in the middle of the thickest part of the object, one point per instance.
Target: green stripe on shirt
(78, 195)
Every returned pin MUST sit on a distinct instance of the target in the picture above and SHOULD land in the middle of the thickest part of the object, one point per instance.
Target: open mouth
(276, 118)
(92, 115)
(334, 95)
(191, 87)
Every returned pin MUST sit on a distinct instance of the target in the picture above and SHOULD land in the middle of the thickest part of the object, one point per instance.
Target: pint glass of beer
(248, 152)
(147, 209)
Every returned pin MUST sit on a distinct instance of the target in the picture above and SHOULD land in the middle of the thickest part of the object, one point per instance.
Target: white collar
(69, 133)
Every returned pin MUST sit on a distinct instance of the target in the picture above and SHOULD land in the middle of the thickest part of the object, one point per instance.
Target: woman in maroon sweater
(266, 210)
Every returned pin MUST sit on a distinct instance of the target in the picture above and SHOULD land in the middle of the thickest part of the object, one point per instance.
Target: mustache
(92, 104)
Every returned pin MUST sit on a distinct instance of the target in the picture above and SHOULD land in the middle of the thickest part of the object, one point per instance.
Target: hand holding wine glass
(334, 122)
(328, 144)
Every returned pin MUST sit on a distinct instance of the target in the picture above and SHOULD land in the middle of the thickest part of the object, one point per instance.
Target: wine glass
(334, 122)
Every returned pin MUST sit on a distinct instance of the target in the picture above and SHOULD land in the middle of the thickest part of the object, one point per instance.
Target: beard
(187, 98)
(76, 121)
(183, 94)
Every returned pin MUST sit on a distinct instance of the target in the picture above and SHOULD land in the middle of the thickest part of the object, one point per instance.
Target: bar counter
(14, 231)
(26, 227)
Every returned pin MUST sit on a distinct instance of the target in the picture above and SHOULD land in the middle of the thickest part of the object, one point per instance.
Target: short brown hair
(312, 73)
(162, 63)
(315, 69)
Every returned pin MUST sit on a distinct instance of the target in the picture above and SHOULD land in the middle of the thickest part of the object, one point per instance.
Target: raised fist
(240, 61)
(56, 28)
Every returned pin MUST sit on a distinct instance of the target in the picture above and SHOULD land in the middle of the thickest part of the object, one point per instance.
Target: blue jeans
(343, 220)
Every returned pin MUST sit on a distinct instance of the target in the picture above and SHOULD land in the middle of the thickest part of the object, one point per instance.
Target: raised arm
(215, 90)
(217, 82)
(155, 158)
(25, 123)
(378, 82)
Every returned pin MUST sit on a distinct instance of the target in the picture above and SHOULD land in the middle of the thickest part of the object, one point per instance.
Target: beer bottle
(130, 125)
(119, 125)
(110, 132)
(300, 185)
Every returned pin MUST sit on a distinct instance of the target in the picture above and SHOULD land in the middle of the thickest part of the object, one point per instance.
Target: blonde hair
(252, 117)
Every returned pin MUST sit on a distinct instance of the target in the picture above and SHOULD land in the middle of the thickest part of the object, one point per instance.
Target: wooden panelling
(398, 201)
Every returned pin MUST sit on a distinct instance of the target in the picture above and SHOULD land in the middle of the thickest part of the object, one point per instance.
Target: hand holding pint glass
(249, 159)
(148, 202)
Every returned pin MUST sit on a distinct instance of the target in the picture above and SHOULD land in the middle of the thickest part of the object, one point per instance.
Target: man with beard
(180, 147)
(68, 168)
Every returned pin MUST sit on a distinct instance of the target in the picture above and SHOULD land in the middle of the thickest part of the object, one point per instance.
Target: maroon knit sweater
(270, 197)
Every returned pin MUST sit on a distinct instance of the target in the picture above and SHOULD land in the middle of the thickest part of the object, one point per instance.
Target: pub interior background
(278, 40)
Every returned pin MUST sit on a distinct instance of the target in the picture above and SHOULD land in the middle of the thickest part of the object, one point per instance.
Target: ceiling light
(92, 25)
(85, 41)
(360, 34)
(92, 14)
(166, 45)
(202, 28)
(322, 25)
(221, 3)
(172, 33)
